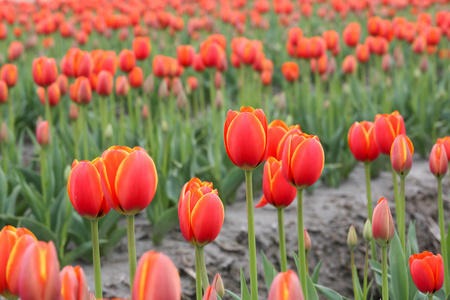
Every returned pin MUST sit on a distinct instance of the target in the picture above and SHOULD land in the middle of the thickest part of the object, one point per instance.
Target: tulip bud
(382, 223)
(401, 155)
(218, 285)
(286, 284)
(122, 86)
(438, 160)
(307, 241)
(4, 134)
(73, 111)
(145, 111)
(219, 99)
(105, 82)
(3, 92)
(367, 233)
(73, 284)
(182, 101)
(427, 271)
(149, 84)
(386, 62)
(108, 131)
(352, 238)
(43, 133)
(218, 80)
(210, 293)
(424, 64)
(163, 91)
(164, 126)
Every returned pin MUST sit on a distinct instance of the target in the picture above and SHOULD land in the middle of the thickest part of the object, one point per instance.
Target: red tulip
(85, 190)
(290, 71)
(245, 135)
(43, 133)
(362, 53)
(63, 83)
(387, 127)
(402, 151)
(266, 77)
(73, 284)
(39, 275)
(128, 178)
(50, 94)
(438, 160)
(303, 160)
(349, 64)
(44, 71)
(141, 47)
(292, 130)
(210, 293)
(201, 212)
(105, 82)
(122, 86)
(80, 91)
(156, 278)
(382, 223)
(446, 142)
(286, 286)
(362, 143)
(3, 92)
(351, 34)
(136, 77)
(8, 73)
(275, 132)
(185, 55)
(192, 83)
(427, 271)
(127, 60)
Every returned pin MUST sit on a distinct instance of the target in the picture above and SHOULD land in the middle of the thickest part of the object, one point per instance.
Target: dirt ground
(328, 213)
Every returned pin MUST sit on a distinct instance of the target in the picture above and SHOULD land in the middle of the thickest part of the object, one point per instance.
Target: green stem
(401, 213)
(301, 242)
(430, 296)
(369, 208)
(397, 197)
(198, 280)
(251, 236)
(103, 119)
(366, 268)
(96, 258)
(202, 265)
(352, 259)
(282, 240)
(443, 243)
(44, 184)
(131, 247)
(84, 126)
(385, 288)
(122, 121)
(11, 114)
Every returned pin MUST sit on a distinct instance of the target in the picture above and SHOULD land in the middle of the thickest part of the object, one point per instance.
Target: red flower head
(387, 128)
(427, 271)
(362, 143)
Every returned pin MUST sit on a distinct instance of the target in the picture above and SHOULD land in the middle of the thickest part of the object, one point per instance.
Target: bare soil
(328, 213)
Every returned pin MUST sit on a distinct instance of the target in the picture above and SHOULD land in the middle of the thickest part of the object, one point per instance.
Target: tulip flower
(349, 64)
(105, 82)
(185, 55)
(210, 293)
(218, 285)
(73, 284)
(438, 160)
(136, 77)
(43, 133)
(122, 86)
(286, 286)
(351, 34)
(80, 91)
(387, 128)
(446, 142)
(51, 94)
(3, 93)
(362, 53)
(141, 47)
(362, 143)
(39, 275)
(156, 278)
(44, 71)
(8, 73)
(127, 60)
(129, 179)
(401, 155)
(290, 71)
(63, 83)
(427, 272)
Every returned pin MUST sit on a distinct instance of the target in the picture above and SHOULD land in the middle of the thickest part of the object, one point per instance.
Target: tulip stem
(84, 126)
(198, 276)
(385, 288)
(11, 113)
(354, 275)
(44, 184)
(397, 197)
(202, 267)
(366, 268)
(282, 239)
(443, 243)
(251, 236)
(401, 213)
(301, 242)
(131, 247)
(430, 296)
(96, 258)
(122, 126)
(369, 207)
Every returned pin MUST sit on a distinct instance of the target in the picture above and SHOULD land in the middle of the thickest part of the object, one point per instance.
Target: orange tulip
(156, 278)
(292, 130)
(387, 127)
(3, 92)
(129, 178)
(136, 77)
(185, 55)
(73, 284)
(122, 86)
(63, 83)
(44, 71)
(127, 60)
(275, 132)
(50, 94)
(290, 71)
(427, 271)
(446, 142)
(319, 65)
(438, 160)
(361, 141)
(210, 293)
(201, 212)
(8, 73)
(286, 286)
(85, 190)
(80, 91)
(351, 34)
(266, 77)
(39, 275)
(245, 135)
(141, 47)
(192, 83)
(402, 151)
(349, 64)
(303, 160)
(362, 53)
(433, 36)
(331, 38)
(104, 83)
(211, 53)
(382, 223)
(43, 133)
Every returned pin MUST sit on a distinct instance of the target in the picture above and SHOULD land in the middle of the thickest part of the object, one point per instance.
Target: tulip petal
(307, 163)
(207, 218)
(422, 276)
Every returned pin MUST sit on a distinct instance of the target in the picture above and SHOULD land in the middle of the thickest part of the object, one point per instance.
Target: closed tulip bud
(218, 80)
(149, 84)
(4, 134)
(141, 47)
(43, 133)
(280, 101)
(156, 278)
(424, 64)
(352, 238)
(266, 77)
(192, 83)
(382, 223)
(290, 71)
(218, 285)
(401, 155)
(387, 127)
(286, 286)
(8, 73)
(129, 178)
(163, 90)
(185, 55)
(362, 53)
(164, 126)
(200, 212)
(245, 135)
(73, 284)
(210, 293)
(308, 244)
(438, 160)
(73, 112)
(63, 83)
(44, 71)
(136, 77)
(349, 64)
(446, 142)
(104, 83)
(127, 60)
(39, 275)
(3, 92)
(427, 271)
(303, 160)
(181, 101)
(122, 87)
(361, 141)
(219, 99)
(367, 232)
(109, 132)
(386, 62)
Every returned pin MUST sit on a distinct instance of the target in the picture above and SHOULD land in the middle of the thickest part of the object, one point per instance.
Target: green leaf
(376, 268)
(412, 237)
(233, 179)
(399, 278)
(329, 293)
(32, 198)
(78, 252)
(245, 295)
(311, 290)
(31, 177)
(113, 239)
(39, 230)
(269, 271)
(357, 284)
(108, 222)
(448, 245)
(233, 295)
(10, 207)
(3, 190)
(165, 223)
(315, 274)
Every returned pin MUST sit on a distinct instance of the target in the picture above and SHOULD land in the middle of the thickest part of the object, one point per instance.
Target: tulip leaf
(376, 268)
(245, 295)
(310, 289)
(269, 271)
(233, 295)
(412, 238)
(329, 293)
(39, 230)
(10, 207)
(357, 284)
(448, 245)
(315, 274)
(78, 252)
(108, 223)
(113, 239)
(165, 223)
(32, 198)
(233, 179)
(3, 190)
(31, 177)
(399, 277)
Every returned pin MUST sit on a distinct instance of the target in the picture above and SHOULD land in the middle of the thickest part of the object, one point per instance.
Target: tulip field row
(166, 108)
